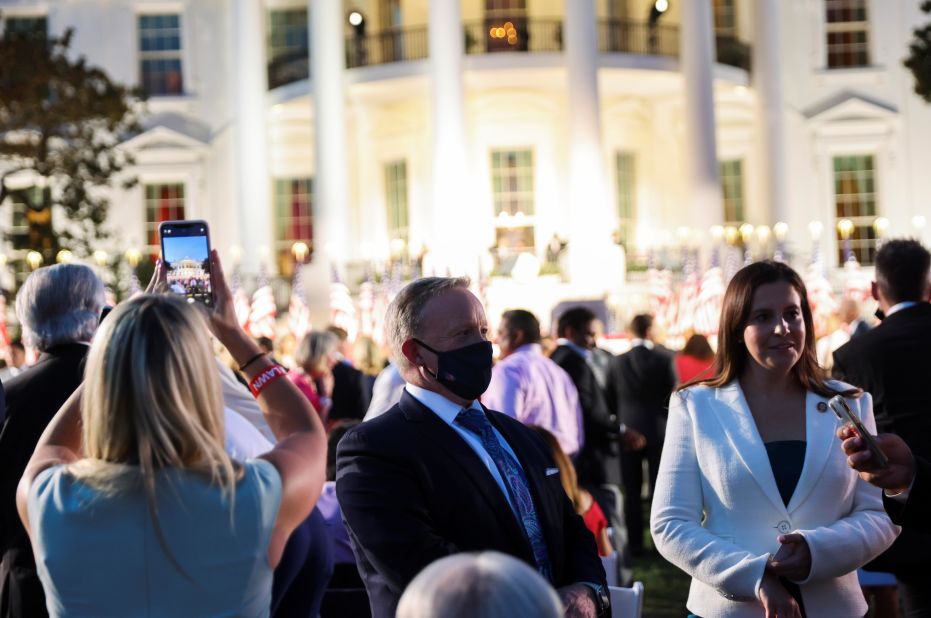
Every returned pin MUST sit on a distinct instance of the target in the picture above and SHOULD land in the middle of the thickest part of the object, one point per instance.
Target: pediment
(160, 138)
(849, 107)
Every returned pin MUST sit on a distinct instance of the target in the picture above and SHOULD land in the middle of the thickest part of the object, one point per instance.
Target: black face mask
(465, 371)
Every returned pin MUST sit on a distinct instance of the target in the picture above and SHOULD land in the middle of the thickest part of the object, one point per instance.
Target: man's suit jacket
(717, 509)
(413, 491)
(642, 380)
(32, 399)
(915, 514)
(597, 462)
(351, 395)
(892, 363)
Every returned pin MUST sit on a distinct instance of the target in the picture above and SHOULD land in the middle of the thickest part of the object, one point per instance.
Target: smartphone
(843, 412)
(186, 254)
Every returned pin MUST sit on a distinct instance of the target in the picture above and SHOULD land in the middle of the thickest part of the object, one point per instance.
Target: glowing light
(717, 233)
(398, 245)
(3, 259)
(661, 6)
(746, 232)
(731, 234)
(780, 230)
(881, 224)
(762, 233)
(133, 256)
(101, 257)
(919, 221)
(682, 234)
(34, 258)
(815, 228)
(64, 257)
(300, 250)
(526, 268)
(236, 254)
(845, 227)
(355, 18)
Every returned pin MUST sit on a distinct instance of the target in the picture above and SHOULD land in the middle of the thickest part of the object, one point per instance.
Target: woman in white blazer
(753, 499)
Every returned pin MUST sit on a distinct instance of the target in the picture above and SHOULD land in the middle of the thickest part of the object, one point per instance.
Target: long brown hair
(730, 360)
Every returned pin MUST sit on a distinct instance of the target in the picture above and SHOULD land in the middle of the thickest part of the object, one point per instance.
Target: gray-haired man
(440, 474)
(59, 308)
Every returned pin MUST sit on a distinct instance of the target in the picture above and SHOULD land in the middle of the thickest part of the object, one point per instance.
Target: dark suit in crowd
(413, 491)
(916, 512)
(597, 463)
(351, 394)
(32, 399)
(642, 380)
(892, 363)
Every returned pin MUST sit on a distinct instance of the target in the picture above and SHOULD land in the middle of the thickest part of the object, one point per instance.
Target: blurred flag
(820, 294)
(298, 312)
(710, 299)
(240, 299)
(342, 310)
(687, 298)
(263, 313)
(659, 291)
(858, 285)
(4, 332)
(367, 305)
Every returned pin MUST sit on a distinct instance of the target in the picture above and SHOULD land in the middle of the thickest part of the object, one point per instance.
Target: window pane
(855, 199)
(513, 199)
(287, 45)
(732, 191)
(160, 54)
(293, 211)
(626, 192)
(163, 202)
(847, 28)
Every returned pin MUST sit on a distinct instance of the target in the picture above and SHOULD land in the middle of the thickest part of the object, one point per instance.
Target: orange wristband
(259, 382)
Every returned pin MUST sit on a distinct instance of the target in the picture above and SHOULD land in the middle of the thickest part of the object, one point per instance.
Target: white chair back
(626, 602)
(610, 565)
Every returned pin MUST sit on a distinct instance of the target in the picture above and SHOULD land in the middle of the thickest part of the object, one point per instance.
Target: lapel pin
(822, 407)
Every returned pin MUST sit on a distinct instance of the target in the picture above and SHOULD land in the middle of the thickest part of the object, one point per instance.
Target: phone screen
(186, 253)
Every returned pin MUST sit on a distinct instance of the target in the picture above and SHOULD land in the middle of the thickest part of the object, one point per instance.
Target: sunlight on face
(775, 330)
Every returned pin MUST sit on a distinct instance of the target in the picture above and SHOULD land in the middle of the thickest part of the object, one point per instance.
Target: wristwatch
(602, 600)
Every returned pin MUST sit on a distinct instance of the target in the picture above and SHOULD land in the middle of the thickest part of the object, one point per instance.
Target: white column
(591, 220)
(767, 80)
(454, 227)
(251, 146)
(331, 175)
(696, 58)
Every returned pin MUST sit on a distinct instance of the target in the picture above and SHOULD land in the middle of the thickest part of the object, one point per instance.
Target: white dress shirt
(447, 411)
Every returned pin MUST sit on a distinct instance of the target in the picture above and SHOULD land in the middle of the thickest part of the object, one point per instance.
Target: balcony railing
(635, 37)
(291, 67)
(515, 34)
(632, 37)
(393, 45)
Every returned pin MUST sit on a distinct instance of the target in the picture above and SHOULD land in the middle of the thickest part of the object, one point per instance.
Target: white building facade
(463, 133)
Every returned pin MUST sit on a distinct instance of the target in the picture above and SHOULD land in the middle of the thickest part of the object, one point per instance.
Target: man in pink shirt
(531, 388)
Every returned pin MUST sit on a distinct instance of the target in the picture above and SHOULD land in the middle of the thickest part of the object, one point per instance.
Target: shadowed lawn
(665, 587)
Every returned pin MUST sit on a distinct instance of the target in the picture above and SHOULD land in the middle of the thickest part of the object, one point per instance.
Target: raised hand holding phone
(847, 416)
(186, 260)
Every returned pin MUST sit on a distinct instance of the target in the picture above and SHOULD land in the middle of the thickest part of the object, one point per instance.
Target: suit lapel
(735, 419)
(436, 431)
(819, 435)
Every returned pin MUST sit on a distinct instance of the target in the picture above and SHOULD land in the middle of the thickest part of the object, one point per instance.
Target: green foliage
(61, 120)
(919, 57)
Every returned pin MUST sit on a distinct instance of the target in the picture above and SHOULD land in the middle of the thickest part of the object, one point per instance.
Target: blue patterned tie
(516, 482)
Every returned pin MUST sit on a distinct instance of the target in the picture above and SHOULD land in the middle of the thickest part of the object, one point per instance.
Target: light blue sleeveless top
(99, 555)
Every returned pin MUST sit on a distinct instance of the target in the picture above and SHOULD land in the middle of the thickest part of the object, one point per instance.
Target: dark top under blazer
(892, 363)
(32, 399)
(413, 491)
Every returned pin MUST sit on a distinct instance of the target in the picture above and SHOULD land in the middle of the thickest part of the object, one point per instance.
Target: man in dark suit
(892, 363)
(597, 462)
(59, 308)
(439, 474)
(642, 378)
(351, 394)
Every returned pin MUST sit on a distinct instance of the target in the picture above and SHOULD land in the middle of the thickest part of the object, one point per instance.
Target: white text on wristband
(259, 382)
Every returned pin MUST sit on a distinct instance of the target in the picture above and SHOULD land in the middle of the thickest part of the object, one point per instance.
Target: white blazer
(717, 510)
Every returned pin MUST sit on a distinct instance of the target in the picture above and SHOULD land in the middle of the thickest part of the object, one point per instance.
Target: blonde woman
(132, 505)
